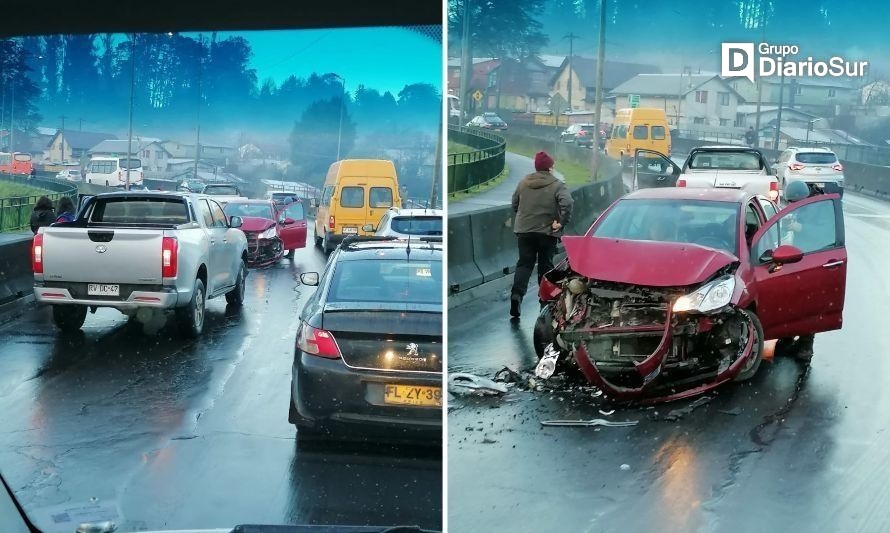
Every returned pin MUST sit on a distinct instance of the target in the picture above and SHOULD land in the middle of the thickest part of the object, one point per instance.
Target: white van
(112, 171)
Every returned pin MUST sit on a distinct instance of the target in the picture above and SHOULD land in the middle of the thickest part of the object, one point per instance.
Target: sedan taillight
(681, 182)
(774, 191)
(316, 341)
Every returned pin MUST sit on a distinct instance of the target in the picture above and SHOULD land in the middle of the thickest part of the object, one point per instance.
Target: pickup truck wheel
(236, 296)
(191, 317)
(747, 372)
(69, 318)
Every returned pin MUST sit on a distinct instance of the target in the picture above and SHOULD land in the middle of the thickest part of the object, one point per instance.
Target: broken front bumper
(678, 366)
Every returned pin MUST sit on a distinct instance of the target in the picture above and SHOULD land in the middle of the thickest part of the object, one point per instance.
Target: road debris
(589, 423)
(734, 412)
(677, 414)
(625, 467)
(547, 365)
(464, 383)
(607, 413)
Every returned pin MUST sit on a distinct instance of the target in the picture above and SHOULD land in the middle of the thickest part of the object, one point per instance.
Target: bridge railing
(15, 211)
(471, 169)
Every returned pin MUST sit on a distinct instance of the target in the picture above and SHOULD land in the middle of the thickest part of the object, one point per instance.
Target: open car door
(653, 169)
(800, 268)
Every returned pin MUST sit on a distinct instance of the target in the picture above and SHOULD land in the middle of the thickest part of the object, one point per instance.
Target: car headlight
(708, 297)
(269, 233)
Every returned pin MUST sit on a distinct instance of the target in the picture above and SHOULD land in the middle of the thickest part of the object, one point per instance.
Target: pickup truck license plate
(412, 395)
(350, 230)
(102, 289)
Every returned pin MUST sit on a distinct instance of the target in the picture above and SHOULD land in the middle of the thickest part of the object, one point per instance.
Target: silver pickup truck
(141, 253)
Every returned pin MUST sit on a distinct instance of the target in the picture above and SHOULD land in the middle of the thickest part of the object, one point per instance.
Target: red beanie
(543, 161)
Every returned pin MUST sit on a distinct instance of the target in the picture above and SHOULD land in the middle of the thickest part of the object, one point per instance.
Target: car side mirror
(368, 228)
(309, 278)
(288, 221)
(786, 254)
(235, 222)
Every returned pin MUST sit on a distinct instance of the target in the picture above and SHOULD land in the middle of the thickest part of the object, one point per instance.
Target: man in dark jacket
(43, 214)
(542, 206)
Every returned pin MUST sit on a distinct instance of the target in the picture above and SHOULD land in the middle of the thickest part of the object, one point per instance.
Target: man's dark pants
(533, 248)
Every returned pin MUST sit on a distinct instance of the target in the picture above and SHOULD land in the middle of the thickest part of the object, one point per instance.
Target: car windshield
(713, 224)
(725, 160)
(418, 225)
(248, 210)
(816, 158)
(387, 281)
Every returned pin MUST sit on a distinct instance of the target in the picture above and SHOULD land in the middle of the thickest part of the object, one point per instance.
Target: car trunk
(397, 340)
(113, 255)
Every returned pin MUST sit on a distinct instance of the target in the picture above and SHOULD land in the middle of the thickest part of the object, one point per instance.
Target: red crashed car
(673, 291)
(272, 231)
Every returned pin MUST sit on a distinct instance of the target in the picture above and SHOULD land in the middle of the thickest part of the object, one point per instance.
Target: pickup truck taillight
(796, 166)
(169, 257)
(37, 254)
(331, 222)
(681, 182)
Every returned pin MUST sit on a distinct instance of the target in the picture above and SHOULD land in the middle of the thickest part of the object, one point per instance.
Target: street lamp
(342, 104)
(810, 126)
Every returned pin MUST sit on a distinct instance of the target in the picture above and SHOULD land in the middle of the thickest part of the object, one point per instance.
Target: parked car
(368, 357)
(696, 280)
(112, 171)
(70, 174)
(580, 134)
(272, 231)
(819, 168)
(136, 251)
(488, 121)
(410, 222)
(191, 185)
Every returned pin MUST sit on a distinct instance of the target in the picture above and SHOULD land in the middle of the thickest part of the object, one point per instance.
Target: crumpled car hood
(648, 263)
(256, 224)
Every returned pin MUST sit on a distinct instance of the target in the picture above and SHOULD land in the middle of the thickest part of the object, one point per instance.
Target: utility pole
(571, 37)
(466, 64)
(598, 105)
(342, 105)
(62, 138)
(779, 115)
(12, 108)
(759, 84)
(198, 113)
(132, 92)
(437, 170)
(80, 124)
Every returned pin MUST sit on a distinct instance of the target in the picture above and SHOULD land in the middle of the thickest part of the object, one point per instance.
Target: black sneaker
(515, 304)
(804, 355)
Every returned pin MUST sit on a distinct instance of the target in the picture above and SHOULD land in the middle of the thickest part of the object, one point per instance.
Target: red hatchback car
(673, 291)
(272, 231)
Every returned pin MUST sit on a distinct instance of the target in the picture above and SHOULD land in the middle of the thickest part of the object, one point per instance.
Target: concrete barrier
(16, 277)
(463, 273)
(493, 233)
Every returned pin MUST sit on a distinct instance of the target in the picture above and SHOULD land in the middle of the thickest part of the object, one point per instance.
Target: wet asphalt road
(790, 450)
(172, 434)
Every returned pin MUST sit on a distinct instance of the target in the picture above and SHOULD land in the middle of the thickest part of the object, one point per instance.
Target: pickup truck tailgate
(102, 255)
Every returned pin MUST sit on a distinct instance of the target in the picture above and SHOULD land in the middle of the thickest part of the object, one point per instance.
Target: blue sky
(386, 59)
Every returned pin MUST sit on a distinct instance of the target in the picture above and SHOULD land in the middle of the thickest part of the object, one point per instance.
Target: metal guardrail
(15, 211)
(471, 169)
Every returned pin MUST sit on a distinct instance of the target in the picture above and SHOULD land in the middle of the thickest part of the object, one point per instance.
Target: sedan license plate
(101, 289)
(412, 395)
(349, 230)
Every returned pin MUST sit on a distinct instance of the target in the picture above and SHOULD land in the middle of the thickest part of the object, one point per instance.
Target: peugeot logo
(412, 349)
(101, 249)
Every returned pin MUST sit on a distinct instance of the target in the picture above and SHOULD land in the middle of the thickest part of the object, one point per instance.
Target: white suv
(819, 168)
(410, 223)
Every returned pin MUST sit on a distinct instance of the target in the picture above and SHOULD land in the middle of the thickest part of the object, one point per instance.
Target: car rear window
(387, 281)
(725, 161)
(352, 197)
(134, 163)
(140, 211)
(223, 190)
(418, 225)
(641, 132)
(381, 197)
(816, 158)
(658, 133)
(712, 224)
